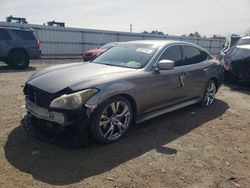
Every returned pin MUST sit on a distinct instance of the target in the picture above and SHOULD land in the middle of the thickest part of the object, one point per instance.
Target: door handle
(182, 76)
(206, 69)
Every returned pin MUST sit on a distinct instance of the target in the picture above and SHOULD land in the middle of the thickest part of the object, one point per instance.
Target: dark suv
(18, 46)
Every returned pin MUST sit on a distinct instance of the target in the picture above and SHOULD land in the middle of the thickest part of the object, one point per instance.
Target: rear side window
(193, 55)
(4, 35)
(25, 35)
(173, 53)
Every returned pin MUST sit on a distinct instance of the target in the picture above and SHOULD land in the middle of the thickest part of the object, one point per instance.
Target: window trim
(182, 52)
(172, 45)
(201, 50)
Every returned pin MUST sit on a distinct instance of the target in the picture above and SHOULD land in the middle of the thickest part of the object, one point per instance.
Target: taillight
(37, 45)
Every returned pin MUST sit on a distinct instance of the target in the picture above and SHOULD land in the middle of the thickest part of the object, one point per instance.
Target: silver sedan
(130, 83)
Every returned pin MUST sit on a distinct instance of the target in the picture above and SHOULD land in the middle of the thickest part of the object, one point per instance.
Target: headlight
(73, 101)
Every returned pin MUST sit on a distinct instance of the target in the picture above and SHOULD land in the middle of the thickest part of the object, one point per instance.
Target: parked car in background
(237, 61)
(131, 82)
(93, 53)
(18, 46)
(230, 42)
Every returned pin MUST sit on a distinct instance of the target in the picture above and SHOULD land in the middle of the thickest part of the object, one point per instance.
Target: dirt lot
(191, 147)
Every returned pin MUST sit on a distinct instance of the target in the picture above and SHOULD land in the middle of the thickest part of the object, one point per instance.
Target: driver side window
(173, 53)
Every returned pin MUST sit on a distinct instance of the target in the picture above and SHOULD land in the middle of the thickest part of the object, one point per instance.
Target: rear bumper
(35, 53)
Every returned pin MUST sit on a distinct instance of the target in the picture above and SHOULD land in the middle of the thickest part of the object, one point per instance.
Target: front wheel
(111, 120)
(209, 94)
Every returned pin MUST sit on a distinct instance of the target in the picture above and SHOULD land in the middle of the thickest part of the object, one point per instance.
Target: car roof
(16, 28)
(159, 42)
(163, 43)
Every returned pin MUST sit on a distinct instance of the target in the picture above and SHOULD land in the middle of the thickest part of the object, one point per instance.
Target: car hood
(56, 78)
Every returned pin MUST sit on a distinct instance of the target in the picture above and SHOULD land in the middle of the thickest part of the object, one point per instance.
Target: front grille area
(37, 96)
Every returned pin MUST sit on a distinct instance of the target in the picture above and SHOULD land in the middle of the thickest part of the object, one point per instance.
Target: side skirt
(161, 111)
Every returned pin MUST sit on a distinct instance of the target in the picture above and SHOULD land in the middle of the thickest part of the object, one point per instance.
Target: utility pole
(131, 28)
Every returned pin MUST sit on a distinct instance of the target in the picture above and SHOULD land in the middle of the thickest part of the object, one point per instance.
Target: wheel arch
(18, 49)
(132, 102)
(124, 95)
(93, 126)
(216, 82)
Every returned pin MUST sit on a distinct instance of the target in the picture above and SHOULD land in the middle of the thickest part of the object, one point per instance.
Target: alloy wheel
(115, 120)
(210, 94)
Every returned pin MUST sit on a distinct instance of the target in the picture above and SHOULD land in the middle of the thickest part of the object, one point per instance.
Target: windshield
(234, 40)
(244, 42)
(108, 46)
(128, 55)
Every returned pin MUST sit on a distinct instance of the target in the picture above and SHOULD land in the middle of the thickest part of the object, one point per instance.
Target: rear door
(5, 42)
(194, 70)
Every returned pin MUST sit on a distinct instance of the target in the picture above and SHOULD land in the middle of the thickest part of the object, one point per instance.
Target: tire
(209, 94)
(111, 120)
(18, 59)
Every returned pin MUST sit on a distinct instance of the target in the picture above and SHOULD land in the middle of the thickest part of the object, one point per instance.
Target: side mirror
(165, 64)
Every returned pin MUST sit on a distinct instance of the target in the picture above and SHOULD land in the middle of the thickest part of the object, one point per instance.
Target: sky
(174, 17)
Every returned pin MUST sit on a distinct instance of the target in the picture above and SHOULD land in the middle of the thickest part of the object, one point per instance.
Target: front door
(164, 87)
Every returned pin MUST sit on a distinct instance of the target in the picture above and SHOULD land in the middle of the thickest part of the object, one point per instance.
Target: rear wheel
(209, 94)
(18, 59)
(112, 120)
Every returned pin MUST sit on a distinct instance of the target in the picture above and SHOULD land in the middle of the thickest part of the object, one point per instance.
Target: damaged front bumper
(66, 128)
(45, 114)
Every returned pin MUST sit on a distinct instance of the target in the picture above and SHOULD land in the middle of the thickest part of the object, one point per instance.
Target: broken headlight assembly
(73, 101)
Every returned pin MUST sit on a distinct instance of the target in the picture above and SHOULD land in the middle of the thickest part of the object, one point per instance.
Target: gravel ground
(191, 147)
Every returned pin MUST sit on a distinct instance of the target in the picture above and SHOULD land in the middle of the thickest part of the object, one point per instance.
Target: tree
(154, 32)
(218, 37)
(195, 35)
